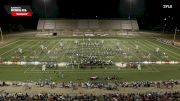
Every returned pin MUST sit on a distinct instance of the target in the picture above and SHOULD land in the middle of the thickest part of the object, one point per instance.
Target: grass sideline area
(9, 52)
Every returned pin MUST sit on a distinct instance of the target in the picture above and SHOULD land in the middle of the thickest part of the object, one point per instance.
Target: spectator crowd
(96, 84)
(166, 41)
(148, 96)
(152, 96)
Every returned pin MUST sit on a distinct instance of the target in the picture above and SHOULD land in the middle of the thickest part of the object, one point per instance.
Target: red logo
(21, 13)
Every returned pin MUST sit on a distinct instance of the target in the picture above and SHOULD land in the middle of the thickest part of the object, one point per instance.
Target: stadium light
(46, 1)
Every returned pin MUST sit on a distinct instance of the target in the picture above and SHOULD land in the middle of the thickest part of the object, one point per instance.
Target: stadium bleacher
(87, 24)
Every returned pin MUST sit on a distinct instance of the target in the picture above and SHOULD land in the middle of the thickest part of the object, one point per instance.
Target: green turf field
(68, 50)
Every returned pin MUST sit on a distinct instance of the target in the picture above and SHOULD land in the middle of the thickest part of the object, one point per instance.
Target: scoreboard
(19, 10)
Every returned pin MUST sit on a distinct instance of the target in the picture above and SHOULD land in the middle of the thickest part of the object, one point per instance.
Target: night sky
(149, 13)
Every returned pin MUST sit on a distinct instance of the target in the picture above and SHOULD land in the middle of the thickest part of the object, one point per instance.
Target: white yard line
(150, 68)
(36, 66)
(54, 46)
(10, 43)
(131, 46)
(164, 49)
(167, 44)
(124, 48)
(146, 45)
(24, 48)
(30, 54)
(15, 47)
(27, 49)
(71, 72)
(27, 70)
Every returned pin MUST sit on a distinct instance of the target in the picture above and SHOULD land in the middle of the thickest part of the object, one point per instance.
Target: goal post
(2, 39)
(174, 39)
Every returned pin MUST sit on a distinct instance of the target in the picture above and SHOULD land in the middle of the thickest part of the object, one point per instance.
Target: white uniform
(61, 44)
(43, 67)
(157, 50)
(137, 47)
(139, 67)
(102, 41)
(76, 42)
(42, 47)
(118, 44)
(49, 51)
(20, 50)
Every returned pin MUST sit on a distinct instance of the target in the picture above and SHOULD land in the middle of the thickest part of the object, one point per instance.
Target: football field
(130, 59)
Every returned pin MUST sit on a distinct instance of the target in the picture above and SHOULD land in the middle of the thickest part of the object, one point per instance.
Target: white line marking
(147, 47)
(71, 72)
(167, 44)
(30, 54)
(46, 54)
(150, 69)
(15, 47)
(164, 49)
(10, 43)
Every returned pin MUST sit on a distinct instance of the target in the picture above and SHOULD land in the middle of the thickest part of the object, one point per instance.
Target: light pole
(130, 7)
(45, 16)
(164, 24)
(45, 8)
